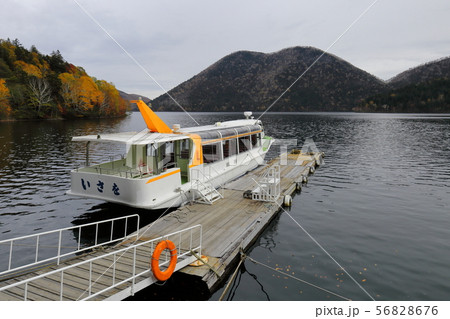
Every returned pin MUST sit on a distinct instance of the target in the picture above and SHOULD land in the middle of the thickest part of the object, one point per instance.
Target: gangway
(114, 269)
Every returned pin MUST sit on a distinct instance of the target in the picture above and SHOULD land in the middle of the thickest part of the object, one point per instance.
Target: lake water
(380, 206)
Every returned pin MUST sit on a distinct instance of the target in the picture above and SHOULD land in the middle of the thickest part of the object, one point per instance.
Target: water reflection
(237, 282)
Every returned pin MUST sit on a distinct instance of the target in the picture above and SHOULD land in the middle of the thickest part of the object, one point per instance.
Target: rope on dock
(205, 263)
(329, 255)
(243, 257)
(298, 279)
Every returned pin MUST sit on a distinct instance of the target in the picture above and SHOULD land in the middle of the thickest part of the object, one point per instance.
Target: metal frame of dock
(96, 272)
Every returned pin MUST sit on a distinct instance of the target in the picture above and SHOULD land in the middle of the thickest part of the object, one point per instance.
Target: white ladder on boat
(208, 194)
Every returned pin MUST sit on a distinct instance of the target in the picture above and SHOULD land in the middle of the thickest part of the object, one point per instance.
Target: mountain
(253, 81)
(129, 97)
(423, 89)
(439, 69)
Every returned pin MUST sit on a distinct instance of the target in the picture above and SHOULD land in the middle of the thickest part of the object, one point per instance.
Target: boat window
(168, 156)
(211, 152)
(229, 147)
(242, 130)
(244, 143)
(151, 157)
(229, 132)
(151, 150)
(185, 149)
(255, 140)
(209, 135)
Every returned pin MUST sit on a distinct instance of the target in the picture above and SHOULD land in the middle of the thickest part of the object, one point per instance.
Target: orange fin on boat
(154, 123)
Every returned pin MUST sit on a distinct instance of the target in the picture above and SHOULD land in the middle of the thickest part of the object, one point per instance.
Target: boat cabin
(166, 167)
(151, 154)
(146, 155)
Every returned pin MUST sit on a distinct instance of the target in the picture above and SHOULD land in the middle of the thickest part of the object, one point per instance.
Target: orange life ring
(164, 275)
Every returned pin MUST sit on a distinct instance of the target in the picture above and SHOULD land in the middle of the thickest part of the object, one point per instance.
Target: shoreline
(62, 118)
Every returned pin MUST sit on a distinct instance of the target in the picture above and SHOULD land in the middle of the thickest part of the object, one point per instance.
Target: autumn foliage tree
(29, 69)
(111, 104)
(80, 93)
(5, 109)
(41, 86)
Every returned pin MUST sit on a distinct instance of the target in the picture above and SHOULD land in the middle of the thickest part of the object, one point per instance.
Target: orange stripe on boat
(163, 176)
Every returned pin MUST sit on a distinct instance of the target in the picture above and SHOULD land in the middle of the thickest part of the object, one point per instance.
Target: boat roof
(220, 125)
(137, 138)
(148, 137)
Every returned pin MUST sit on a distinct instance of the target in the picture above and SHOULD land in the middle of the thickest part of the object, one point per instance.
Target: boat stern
(137, 192)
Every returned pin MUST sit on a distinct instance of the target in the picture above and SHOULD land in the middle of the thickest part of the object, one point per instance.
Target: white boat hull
(165, 190)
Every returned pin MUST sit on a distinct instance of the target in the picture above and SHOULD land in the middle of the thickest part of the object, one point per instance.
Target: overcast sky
(174, 40)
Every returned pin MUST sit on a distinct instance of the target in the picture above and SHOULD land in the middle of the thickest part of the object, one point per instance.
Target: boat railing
(126, 172)
(112, 160)
(112, 157)
(117, 168)
(207, 174)
(214, 173)
(188, 243)
(50, 246)
(201, 176)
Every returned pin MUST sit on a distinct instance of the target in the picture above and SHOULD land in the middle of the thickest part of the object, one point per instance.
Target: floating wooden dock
(227, 226)
(235, 222)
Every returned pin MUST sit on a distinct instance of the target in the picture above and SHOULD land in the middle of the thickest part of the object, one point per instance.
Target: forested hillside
(247, 80)
(427, 72)
(34, 85)
(423, 89)
(431, 96)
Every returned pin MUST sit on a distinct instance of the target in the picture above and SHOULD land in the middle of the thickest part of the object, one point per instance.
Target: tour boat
(166, 167)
